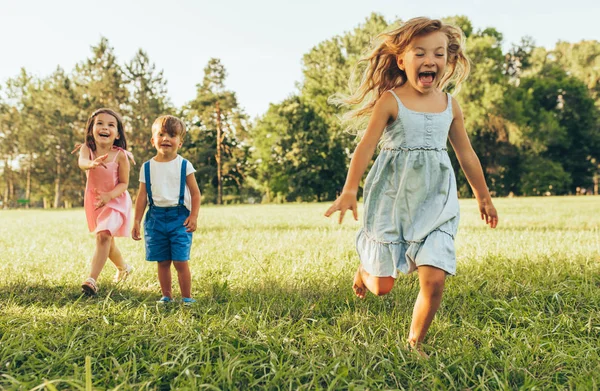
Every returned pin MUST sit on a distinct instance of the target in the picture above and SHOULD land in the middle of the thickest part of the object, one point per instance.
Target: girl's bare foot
(359, 286)
(417, 348)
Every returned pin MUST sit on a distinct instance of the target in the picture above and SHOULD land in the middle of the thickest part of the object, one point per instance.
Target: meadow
(275, 307)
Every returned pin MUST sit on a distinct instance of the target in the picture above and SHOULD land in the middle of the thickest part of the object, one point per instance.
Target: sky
(260, 42)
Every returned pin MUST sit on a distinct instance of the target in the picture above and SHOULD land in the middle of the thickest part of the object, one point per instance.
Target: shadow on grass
(321, 299)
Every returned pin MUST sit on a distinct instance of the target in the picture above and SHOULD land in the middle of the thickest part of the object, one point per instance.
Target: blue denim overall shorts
(164, 233)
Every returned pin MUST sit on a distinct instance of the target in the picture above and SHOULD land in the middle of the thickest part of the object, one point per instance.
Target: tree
(100, 81)
(218, 135)
(294, 155)
(559, 122)
(147, 100)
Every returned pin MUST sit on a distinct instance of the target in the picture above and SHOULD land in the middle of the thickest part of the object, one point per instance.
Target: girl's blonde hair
(381, 66)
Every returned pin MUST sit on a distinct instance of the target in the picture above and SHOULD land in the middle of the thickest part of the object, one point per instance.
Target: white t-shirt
(165, 182)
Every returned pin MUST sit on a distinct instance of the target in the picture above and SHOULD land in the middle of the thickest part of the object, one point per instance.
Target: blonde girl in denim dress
(411, 209)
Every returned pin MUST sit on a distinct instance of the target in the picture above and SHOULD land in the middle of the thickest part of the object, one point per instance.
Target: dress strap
(397, 99)
(182, 182)
(148, 184)
(449, 108)
(126, 152)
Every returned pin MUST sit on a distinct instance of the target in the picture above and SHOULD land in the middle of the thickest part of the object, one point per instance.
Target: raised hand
(99, 161)
(346, 201)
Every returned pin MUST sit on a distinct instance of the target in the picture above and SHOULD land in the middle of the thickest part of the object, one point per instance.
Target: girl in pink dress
(107, 203)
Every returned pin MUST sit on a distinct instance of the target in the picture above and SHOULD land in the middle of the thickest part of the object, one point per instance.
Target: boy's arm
(140, 206)
(471, 166)
(192, 221)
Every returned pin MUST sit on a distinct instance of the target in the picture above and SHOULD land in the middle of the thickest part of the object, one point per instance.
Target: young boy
(168, 184)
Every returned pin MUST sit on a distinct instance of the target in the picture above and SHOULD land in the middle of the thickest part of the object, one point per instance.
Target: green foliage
(296, 157)
(202, 117)
(541, 176)
(559, 122)
(522, 106)
(147, 101)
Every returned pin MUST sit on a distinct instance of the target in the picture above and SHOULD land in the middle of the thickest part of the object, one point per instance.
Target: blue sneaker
(164, 300)
(188, 301)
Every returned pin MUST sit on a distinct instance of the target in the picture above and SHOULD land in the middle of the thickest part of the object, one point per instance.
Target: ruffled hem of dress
(114, 221)
(387, 258)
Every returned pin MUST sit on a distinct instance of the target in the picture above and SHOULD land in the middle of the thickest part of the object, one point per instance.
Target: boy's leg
(164, 278)
(184, 276)
(431, 281)
(103, 240)
(377, 285)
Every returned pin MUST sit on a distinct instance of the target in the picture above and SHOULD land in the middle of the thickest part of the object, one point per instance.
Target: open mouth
(427, 78)
(104, 135)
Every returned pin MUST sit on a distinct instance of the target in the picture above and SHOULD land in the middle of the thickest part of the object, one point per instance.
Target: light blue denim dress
(411, 207)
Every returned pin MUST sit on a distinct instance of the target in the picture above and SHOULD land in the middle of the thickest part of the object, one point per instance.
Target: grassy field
(276, 311)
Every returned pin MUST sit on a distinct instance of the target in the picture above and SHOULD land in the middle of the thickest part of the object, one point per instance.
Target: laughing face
(166, 144)
(105, 130)
(425, 61)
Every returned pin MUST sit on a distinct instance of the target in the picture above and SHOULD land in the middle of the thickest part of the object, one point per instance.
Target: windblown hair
(381, 72)
(169, 124)
(89, 134)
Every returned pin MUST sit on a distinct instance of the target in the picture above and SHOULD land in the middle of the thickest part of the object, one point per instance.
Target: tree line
(533, 116)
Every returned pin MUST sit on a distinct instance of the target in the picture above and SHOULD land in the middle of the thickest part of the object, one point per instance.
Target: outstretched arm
(385, 109)
(85, 163)
(470, 164)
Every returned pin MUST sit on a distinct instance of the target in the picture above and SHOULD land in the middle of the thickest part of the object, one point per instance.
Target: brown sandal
(89, 287)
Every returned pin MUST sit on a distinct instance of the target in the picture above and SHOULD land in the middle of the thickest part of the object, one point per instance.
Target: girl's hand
(101, 199)
(488, 213)
(135, 231)
(190, 223)
(99, 161)
(347, 200)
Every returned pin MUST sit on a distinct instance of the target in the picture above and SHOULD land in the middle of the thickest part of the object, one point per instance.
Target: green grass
(275, 309)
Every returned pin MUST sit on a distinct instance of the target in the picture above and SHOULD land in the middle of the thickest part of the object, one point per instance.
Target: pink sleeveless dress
(115, 216)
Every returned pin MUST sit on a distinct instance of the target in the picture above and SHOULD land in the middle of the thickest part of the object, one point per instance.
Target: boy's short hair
(169, 124)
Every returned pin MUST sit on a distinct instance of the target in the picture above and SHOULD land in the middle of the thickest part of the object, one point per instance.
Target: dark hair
(89, 136)
(169, 124)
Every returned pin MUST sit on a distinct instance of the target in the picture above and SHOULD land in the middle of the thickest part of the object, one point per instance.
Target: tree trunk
(28, 184)
(9, 189)
(218, 158)
(57, 181)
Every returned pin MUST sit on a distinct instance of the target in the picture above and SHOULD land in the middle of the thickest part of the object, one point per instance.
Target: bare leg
(377, 285)
(164, 278)
(431, 281)
(115, 255)
(103, 240)
(185, 278)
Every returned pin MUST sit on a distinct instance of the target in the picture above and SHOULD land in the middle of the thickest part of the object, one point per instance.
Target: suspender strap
(182, 185)
(148, 184)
